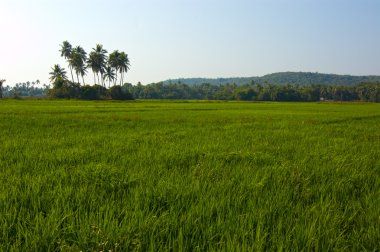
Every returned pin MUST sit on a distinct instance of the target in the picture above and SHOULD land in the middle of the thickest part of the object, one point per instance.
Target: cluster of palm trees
(105, 67)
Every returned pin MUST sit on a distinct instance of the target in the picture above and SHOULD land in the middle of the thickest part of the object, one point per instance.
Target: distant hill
(296, 78)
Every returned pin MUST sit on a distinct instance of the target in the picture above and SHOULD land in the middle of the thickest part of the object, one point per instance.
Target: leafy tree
(63, 88)
(94, 92)
(117, 93)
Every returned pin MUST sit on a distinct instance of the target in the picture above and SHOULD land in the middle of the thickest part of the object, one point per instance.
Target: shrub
(117, 93)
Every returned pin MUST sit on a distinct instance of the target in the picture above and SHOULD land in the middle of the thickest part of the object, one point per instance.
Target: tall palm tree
(123, 65)
(66, 50)
(113, 61)
(101, 59)
(92, 63)
(83, 67)
(109, 74)
(57, 73)
(97, 61)
(78, 59)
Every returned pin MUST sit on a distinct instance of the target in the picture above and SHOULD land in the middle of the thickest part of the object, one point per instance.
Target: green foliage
(284, 78)
(117, 93)
(189, 176)
(26, 89)
(258, 92)
(64, 89)
(95, 92)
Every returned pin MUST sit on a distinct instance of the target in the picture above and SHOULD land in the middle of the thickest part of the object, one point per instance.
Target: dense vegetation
(294, 78)
(247, 92)
(66, 89)
(257, 92)
(29, 88)
(183, 176)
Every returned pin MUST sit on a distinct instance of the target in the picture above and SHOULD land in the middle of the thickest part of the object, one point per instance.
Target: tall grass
(154, 176)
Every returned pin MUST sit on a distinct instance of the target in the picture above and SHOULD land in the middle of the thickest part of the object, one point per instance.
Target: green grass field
(189, 176)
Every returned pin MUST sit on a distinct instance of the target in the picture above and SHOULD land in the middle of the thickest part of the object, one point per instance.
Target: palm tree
(77, 60)
(97, 61)
(102, 59)
(57, 73)
(123, 65)
(109, 74)
(113, 61)
(92, 63)
(83, 56)
(66, 50)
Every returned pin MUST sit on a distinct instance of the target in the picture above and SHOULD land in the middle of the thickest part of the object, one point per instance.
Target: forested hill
(296, 78)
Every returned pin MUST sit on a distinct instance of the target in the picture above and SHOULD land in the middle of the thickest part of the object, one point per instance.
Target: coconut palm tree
(57, 73)
(92, 63)
(78, 59)
(97, 61)
(123, 65)
(66, 50)
(101, 59)
(109, 74)
(113, 61)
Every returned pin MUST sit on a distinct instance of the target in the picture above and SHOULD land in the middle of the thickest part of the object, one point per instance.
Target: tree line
(28, 88)
(257, 92)
(283, 78)
(369, 91)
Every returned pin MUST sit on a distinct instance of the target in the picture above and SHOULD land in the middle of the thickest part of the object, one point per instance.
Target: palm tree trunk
(114, 83)
(98, 78)
(83, 80)
(72, 76)
(94, 79)
(78, 79)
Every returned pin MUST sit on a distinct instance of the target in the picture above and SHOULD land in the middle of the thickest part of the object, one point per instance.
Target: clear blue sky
(194, 38)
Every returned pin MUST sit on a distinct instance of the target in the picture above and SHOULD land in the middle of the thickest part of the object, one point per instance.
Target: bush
(64, 89)
(117, 93)
(95, 92)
